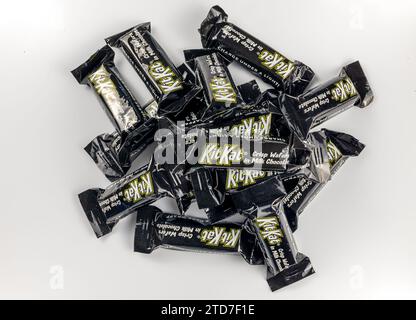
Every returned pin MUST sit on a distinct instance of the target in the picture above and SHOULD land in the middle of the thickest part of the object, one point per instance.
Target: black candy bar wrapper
(250, 92)
(333, 148)
(292, 77)
(100, 73)
(157, 229)
(212, 75)
(220, 204)
(325, 101)
(231, 143)
(155, 68)
(193, 113)
(243, 154)
(114, 153)
(265, 120)
(223, 151)
(104, 208)
(238, 189)
(285, 264)
(301, 190)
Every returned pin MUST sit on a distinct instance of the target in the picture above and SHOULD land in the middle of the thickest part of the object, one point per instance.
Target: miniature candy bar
(285, 265)
(155, 229)
(155, 68)
(220, 92)
(100, 73)
(114, 153)
(321, 103)
(337, 147)
(291, 77)
(104, 208)
(217, 190)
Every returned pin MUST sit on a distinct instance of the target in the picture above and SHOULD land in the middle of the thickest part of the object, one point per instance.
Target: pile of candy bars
(238, 153)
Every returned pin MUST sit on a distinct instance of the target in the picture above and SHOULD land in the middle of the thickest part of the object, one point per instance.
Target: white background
(359, 232)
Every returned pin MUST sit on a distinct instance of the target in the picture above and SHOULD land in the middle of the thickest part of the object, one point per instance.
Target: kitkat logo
(343, 90)
(276, 62)
(333, 153)
(252, 128)
(242, 178)
(269, 228)
(165, 78)
(221, 155)
(220, 236)
(139, 188)
(222, 90)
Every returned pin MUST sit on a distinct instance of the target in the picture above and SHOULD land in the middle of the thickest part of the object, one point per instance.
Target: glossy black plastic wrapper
(323, 102)
(292, 77)
(213, 191)
(100, 73)
(156, 229)
(155, 68)
(247, 159)
(246, 200)
(201, 148)
(265, 120)
(285, 264)
(257, 137)
(336, 148)
(243, 153)
(212, 75)
(114, 153)
(193, 112)
(104, 208)
(212, 187)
